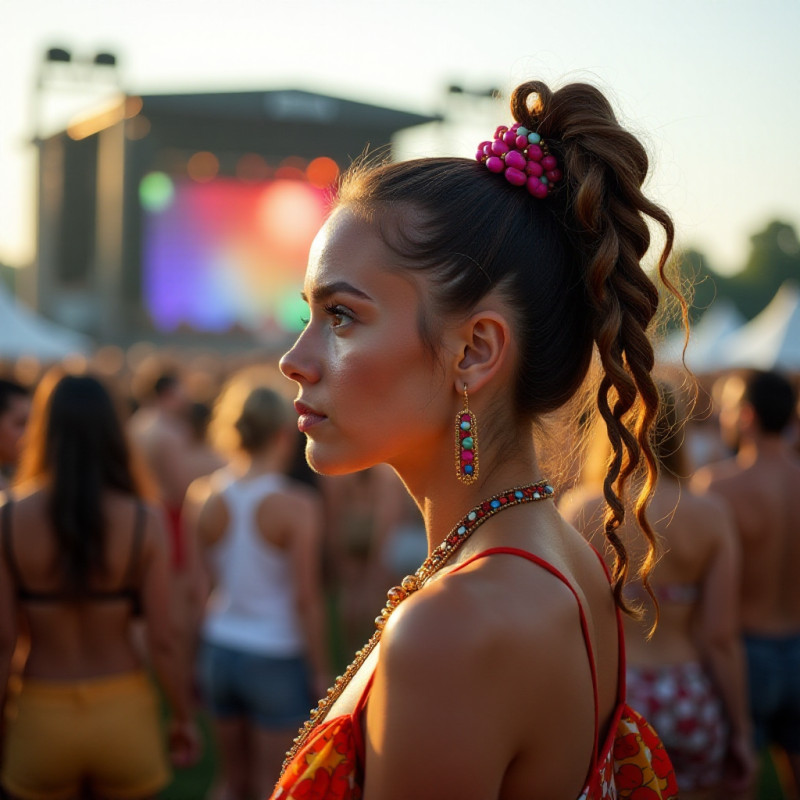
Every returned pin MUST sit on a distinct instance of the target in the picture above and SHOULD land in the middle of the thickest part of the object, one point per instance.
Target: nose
(296, 364)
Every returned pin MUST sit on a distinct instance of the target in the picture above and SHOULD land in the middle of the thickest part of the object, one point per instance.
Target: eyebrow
(323, 292)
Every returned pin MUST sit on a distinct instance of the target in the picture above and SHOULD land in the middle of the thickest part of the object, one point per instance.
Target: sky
(711, 86)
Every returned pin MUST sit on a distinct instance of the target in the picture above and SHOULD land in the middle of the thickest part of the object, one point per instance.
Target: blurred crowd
(271, 574)
(161, 529)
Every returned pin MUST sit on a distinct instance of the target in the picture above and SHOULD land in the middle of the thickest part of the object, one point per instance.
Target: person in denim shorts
(263, 651)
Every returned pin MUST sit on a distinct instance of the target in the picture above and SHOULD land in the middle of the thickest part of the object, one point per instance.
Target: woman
(83, 555)
(688, 678)
(263, 649)
(452, 303)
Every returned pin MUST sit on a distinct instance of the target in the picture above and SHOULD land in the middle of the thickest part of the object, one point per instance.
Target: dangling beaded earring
(466, 443)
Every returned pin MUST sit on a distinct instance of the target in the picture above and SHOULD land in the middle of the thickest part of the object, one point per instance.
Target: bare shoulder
(294, 513)
(30, 514)
(25, 495)
(716, 476)
(710, 506)
(712, 513)
(205, 505)
(200, 489)
(497, 611)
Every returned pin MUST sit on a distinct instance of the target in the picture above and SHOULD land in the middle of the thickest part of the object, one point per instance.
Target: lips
(307, 416)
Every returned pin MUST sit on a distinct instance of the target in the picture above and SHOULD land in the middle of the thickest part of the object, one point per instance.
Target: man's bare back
(762, 486)
(763, 490)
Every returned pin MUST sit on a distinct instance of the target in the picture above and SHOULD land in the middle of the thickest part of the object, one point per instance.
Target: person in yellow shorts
(107, 728)
(82, 556)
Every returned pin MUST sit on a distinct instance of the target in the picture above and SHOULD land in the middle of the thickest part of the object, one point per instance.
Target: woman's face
(12, 427)
(370, 391)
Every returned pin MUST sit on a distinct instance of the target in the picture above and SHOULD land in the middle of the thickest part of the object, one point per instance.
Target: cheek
(381, 375)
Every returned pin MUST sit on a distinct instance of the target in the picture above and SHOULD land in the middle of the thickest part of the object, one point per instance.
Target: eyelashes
(339, 315)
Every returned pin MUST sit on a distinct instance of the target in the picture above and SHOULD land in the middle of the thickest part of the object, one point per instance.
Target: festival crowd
(267, 576)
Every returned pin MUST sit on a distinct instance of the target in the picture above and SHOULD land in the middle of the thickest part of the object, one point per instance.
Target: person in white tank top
(263, 654)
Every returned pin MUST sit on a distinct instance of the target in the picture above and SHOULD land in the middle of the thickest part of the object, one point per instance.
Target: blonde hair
(249, 412)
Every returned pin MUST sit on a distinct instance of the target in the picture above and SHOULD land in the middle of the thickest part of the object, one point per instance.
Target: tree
(774, 258)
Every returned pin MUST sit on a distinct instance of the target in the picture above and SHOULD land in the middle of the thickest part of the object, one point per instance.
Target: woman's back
(76, 635)
(253, 604)
(691, 529)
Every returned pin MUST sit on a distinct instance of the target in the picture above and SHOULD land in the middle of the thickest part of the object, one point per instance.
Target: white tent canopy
(770, 340)
(707, 337)
(25, 333)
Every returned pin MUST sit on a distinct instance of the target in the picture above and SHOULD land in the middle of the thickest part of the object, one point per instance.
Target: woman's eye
(339, 315)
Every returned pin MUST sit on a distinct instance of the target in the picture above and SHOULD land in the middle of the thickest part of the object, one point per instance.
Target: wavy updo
(568, 266)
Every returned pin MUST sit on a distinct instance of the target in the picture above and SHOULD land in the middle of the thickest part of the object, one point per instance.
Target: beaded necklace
(541, 490)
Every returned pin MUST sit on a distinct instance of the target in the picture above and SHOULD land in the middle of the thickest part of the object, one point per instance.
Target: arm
(164, 642)
(305, 543)
(718, 640)
(193, 519)
(8, 633)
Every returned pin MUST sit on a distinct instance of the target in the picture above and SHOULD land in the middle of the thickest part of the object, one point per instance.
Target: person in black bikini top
(82, 555)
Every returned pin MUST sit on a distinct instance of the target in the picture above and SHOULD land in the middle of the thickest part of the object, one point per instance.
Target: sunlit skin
(466, 673)
(700, 549)
(762, 486)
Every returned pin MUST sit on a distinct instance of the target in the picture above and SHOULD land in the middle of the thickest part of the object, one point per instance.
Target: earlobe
(484, 348)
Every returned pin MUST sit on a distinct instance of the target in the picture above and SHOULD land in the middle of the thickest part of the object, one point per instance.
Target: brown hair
(569, 267)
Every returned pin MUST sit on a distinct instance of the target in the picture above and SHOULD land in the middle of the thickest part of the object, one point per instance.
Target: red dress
(630, 763)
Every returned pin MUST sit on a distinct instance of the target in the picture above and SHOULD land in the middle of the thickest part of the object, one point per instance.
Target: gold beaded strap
(412, 583)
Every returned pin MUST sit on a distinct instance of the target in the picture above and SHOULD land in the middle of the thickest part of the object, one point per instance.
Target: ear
(482, 349)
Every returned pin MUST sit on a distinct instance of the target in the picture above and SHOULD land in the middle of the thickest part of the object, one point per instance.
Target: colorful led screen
(227, 255)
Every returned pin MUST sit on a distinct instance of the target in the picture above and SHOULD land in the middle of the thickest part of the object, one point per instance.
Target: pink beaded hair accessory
(522, 156)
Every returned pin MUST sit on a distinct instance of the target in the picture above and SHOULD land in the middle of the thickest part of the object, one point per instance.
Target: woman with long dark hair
(453, 303)
(83, 555)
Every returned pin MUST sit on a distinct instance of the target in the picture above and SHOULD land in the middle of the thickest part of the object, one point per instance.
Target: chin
(325, 462)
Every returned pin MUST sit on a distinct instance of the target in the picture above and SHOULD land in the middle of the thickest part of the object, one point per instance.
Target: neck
(253, 464)
(443, 499)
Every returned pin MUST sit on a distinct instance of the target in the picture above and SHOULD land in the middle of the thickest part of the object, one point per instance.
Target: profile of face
(12, 426)
(370, 391)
